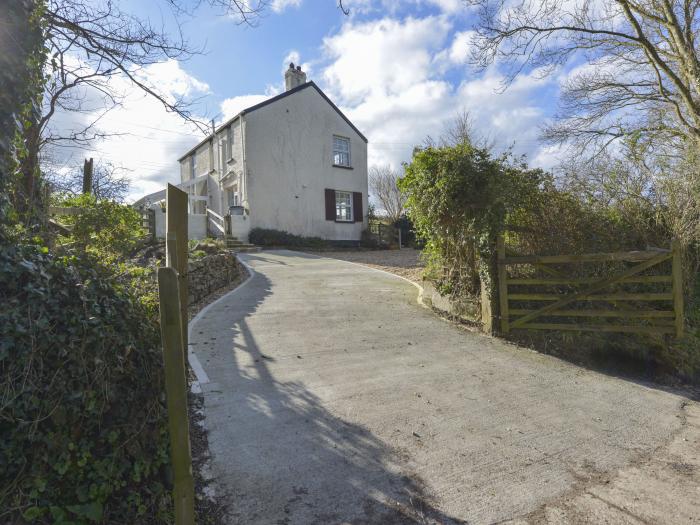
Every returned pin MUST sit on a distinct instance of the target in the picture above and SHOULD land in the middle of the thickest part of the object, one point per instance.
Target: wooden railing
(662, 312)
(215, 223)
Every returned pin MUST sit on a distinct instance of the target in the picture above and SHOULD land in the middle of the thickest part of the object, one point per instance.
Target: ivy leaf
(92, 511)
(32, 513)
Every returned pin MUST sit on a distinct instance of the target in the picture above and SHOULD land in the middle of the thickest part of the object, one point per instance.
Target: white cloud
(231, 107)
(389, 77)
(280, 5)
(383, 57)
(449, 6)
(294, 57)
(393, 77)
(152, 139)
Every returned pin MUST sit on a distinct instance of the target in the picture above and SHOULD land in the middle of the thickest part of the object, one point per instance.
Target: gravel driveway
(333, 397)
(405, 262)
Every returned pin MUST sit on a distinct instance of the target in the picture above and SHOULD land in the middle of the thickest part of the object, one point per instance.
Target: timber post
(502, 284)
(87, 176)
(176, 392)
(176, 256)
(677, 288)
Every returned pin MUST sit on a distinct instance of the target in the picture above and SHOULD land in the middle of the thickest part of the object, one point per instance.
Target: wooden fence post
(677, 288)
(502, 284)
(87, 176)
(176, 222)
(176, 391)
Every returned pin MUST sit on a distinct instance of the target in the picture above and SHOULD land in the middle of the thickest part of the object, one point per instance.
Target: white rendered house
(293, 163)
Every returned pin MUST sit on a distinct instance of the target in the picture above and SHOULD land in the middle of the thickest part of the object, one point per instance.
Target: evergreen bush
(83, 423)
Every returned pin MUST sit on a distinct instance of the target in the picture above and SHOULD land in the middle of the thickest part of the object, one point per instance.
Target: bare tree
(460, 129)
(382, 185)
(89, 44)
(641, 75)
(108, 181)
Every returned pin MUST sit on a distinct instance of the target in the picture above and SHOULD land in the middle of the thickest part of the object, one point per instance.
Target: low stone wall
(468, 311)
(210, 273)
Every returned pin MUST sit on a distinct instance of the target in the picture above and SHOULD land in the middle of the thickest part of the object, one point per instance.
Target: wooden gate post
(502, 284)
(176, 222)
(677, 288)
(176, 392)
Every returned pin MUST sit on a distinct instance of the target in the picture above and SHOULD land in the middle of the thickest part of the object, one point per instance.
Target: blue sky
(398, 69)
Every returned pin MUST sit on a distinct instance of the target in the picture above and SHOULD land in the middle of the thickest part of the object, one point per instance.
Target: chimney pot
(291, 65)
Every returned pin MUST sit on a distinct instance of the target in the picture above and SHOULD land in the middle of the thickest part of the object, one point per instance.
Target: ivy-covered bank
(83, 427)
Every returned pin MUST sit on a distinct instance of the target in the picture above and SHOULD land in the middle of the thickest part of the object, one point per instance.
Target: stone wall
(465, 310)
(210, 273)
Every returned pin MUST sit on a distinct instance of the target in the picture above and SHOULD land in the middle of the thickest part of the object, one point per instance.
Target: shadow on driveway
(283, 457)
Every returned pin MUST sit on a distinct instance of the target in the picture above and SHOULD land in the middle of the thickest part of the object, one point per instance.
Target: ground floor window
(343, 206)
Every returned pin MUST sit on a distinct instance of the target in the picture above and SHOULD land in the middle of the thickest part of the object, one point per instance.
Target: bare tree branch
(382, 186)
(641, 72)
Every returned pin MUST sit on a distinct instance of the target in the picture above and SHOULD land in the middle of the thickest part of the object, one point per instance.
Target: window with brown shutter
(330, 205)
(357, 206)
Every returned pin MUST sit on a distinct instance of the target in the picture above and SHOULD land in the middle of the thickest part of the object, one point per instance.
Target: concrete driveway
(333, 397)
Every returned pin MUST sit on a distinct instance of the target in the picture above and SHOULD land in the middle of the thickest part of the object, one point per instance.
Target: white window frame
(345, 205)
(341, 155)
(193, 165)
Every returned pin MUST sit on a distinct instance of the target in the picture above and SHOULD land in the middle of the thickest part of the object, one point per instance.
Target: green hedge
(265, 237)
(83, 428)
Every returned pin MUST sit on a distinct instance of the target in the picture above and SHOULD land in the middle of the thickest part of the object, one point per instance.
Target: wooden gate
(661, 313)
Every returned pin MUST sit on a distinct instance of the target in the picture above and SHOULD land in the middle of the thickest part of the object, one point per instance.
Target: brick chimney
(294, 77)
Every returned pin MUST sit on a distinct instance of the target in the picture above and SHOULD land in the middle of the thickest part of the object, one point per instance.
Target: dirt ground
(405, 262)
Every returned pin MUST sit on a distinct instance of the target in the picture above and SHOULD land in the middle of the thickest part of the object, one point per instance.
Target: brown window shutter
(357, 213)
(330, 205)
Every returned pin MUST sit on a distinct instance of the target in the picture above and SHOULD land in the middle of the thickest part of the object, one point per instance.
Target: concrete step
(235, 244)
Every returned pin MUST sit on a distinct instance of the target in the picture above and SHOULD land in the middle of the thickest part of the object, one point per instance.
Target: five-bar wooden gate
(662, 312)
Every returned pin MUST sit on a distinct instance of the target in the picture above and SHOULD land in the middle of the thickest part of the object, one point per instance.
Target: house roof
(153, 197)
(270, 101)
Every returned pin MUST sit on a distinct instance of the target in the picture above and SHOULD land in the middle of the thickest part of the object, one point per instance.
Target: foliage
(459, 198)
(209, 246)
(83, 428)
(103, 226)
(266, 237)
(22, 78)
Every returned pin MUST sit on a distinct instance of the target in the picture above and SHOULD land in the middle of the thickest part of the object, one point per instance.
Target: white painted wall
(196, 226)
(281, 164)
(288, 150)
(160, 221)
(240, 227)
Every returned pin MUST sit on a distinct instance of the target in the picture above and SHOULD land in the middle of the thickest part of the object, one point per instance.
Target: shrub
(458, 199)
(103, 226)
(266, 237)
(83, 424)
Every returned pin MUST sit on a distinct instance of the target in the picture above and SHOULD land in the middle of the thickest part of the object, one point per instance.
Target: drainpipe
(244, 178)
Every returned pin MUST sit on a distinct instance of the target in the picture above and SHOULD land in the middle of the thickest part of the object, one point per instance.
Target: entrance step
(233, 243)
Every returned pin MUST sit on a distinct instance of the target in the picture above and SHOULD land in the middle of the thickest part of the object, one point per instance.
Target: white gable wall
(288, 150)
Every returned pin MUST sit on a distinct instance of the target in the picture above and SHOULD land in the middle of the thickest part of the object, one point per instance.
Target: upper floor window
(341, 151)
(193, 164)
